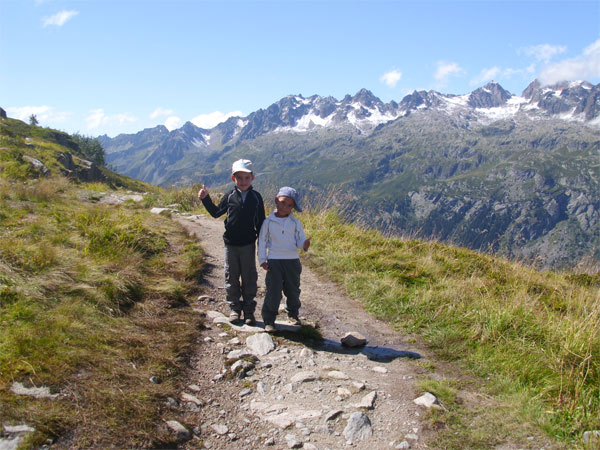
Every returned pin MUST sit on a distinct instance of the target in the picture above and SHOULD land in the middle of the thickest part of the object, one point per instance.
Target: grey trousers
(283, 276)
(240, 262)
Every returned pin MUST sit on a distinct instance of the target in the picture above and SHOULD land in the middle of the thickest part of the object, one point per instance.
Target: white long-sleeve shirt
(280, 238)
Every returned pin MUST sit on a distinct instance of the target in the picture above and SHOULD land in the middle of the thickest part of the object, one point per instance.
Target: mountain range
(488, 170)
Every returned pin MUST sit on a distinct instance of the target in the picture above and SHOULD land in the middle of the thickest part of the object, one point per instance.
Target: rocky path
(248, 389)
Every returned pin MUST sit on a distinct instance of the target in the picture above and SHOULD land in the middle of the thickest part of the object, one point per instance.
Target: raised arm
(213, 210)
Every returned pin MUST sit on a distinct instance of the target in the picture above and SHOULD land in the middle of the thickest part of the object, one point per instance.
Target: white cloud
(486, 75)
(46, 115)
(97, 118)
(391, 78)
(160, 112)
(172, 123)
(445, 70)
(583, 67)
(212, 119)
(543, 52)
(59, 19)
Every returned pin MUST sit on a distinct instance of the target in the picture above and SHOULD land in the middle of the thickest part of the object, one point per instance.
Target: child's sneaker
(249, 319)
(269, 328)
(294, 320)
(234, 317)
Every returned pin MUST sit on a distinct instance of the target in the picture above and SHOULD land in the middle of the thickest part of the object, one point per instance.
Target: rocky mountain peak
(530, 90)
(419, 99)
(366, 98)
(491, 95)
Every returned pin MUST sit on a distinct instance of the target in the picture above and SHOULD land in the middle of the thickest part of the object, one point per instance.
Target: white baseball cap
(241, 165)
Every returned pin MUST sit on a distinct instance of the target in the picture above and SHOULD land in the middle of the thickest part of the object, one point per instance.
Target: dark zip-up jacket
(244, 219)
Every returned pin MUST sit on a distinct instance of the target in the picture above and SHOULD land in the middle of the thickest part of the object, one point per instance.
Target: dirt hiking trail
(250, 390)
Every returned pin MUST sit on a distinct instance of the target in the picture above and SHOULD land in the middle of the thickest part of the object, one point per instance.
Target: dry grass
(92, 304)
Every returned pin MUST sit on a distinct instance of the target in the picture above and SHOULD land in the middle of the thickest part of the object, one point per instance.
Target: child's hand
(265, 266)
(306, 244)
(202, 193)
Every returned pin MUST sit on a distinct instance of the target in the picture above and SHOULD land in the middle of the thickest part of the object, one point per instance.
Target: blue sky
(113, 67)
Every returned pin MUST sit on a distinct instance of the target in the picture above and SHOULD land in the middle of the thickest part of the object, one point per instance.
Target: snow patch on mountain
(510, 109)
(310, 121)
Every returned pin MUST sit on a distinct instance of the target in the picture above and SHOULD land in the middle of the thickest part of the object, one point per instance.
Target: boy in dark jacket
(245, 214)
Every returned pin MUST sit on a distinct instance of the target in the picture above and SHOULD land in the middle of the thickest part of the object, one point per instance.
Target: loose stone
(220, 429)
(411, 437)
(337, 375)
(303, 377)
(306, 353)
(180, 431)
(428, 400)
(292, 441)
(333, 414)
(239, 368)
(358, 385)
(191, 398)
(234, 355)
(353, 339)
(261, 387)
(368, 401)
(358, 427)
(245, 392)
(344, 393)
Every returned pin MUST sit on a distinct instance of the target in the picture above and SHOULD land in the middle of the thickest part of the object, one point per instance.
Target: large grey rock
(37, 165)
(358, 428)
(260, 343)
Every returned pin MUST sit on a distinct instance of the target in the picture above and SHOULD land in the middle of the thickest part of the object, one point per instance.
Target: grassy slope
(92, 302)
(533, 336)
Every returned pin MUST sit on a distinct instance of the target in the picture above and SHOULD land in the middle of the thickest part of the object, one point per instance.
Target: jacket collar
(240, 192)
